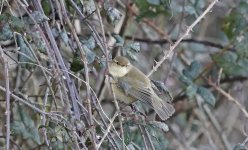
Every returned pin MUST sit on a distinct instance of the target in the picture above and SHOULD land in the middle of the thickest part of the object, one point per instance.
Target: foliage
(60, 98)
(24, 126)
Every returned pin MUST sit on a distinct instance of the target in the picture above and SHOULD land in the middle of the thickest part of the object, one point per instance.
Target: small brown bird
(130, 85)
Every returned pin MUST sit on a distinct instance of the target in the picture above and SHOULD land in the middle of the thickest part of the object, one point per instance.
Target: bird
(129, 84)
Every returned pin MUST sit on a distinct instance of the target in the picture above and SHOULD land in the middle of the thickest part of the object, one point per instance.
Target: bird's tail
(162, 108)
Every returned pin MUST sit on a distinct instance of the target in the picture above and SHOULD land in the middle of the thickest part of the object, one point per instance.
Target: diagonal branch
(229, 97)
(189, 29)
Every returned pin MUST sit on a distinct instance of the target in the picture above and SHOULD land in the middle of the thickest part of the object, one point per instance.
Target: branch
(111, 87)
(70, 84)
(190, 40)
(229, 97)
(222, 81)
(222, 135)
(7, 97)
(107, 130)
(189, 29)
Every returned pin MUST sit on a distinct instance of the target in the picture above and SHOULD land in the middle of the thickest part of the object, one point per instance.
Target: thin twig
(168, 72)
(80, 139)
(229, 97)
(187, 40)
(94, 32)
(143, 136)
(107, 60)
(92, 91)
(245, 141)
(149, 139)
(214, 122)
(189, 29)
(33, 52)
(119, 116)
(7, 98)
(107, 130)
(43, 120)
(71, 86)
(112, 140)
(86, 72)
(24, 102)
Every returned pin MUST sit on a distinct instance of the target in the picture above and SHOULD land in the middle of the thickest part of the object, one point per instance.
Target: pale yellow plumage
(132, 85)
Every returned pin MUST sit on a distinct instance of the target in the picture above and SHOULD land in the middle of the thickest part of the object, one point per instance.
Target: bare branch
(7, 96)
(189, 29)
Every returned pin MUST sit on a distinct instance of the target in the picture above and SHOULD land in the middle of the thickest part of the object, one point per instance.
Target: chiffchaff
(130, 85)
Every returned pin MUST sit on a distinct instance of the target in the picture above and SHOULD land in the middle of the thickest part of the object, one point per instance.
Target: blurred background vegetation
(53, 79)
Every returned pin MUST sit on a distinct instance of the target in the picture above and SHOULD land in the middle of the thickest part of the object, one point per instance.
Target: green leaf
(16, 24)
(125, 49)
(189, 9)
(89, 54)
(103, 63)
(55, 32)
(90, 43)
(231, 63)
(24, 126)
(236, 21)
(128, 135)
(61, 34)
(64, 37)
(157, 135)
(142, 4)
(106, 5)
(207, 95)
(131, 49)
(242, 45)
(4, 17)
(214, 74)
(185, 80)
(38, 17)
(119, 40)
(26, 55)
(37, 42)
(135, 46)
(113, 15)
(239, 147)
(5, 32)
(146, 14)
(193, 7)
(56, 144)
(154, 2)
(130, 146)
(46, 6)
(76, 64)
(193, 70)
(161, 125)
(191, 90)
(152, 8)
(132, 56)
(142, 107)
(88, 6)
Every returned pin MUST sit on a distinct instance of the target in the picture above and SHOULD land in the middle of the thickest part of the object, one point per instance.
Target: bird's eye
(120, 64)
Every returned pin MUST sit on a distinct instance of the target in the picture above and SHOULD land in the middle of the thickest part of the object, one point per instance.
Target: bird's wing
(138, 90)
(162, 92)
(145, 94)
